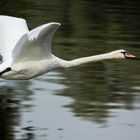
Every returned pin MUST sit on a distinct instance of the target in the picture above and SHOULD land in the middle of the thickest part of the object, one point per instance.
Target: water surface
(93, 101)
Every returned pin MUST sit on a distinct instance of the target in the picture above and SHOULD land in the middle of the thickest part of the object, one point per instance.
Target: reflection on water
(112, 89)
(105, 94)
(11, 99)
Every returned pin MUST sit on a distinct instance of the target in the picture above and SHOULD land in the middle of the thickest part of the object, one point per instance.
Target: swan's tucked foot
(6, 70)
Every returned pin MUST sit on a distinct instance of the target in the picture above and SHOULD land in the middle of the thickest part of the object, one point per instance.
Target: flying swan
(27, 54)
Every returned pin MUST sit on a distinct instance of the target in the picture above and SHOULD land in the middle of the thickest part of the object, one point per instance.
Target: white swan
(27, 54)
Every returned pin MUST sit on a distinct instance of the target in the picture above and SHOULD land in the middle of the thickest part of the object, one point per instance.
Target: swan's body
(27, 54)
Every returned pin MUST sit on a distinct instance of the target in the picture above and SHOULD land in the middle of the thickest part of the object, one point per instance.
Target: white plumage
(11, 30)
(27, 54)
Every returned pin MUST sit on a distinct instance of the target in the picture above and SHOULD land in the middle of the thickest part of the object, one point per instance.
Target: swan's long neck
(83, 60)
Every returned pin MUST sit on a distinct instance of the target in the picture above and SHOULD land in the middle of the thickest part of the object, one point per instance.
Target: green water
(93, 101)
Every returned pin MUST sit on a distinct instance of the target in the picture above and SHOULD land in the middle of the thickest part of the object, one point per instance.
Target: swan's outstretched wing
(11, 30)
(36, 44)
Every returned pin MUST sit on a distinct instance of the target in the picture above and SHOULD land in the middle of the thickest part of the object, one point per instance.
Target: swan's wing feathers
(43, 35)
(11, 30)
(36, 44)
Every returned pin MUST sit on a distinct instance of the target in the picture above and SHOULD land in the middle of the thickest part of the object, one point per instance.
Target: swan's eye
(124, 52)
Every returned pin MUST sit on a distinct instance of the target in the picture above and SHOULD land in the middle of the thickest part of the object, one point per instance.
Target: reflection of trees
(98, 90)
(11, 96)
(89, 27)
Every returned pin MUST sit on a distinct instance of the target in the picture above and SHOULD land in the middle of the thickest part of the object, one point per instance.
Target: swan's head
(122, 54)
